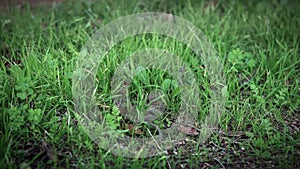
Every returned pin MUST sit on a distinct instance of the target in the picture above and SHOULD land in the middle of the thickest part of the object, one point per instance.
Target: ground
(257, 43)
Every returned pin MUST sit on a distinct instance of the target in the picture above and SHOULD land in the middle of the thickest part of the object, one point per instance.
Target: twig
(157, 142)
(219, 162)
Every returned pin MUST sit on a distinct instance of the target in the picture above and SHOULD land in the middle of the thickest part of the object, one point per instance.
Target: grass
(257, 42)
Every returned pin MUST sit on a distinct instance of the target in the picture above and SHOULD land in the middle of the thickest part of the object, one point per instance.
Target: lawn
(257, 44)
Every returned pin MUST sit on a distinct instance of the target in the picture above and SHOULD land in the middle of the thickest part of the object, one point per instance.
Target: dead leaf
(130, 127)
(134, 129)
(49, 149)
(16, 62)
(188, 130)
(138, 131)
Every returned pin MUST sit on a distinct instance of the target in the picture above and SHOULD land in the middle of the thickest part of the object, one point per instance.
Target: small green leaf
(166, 85)
(249, 134)
(251, 63)
(35, 115)
(22, 95)
(224, 92)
